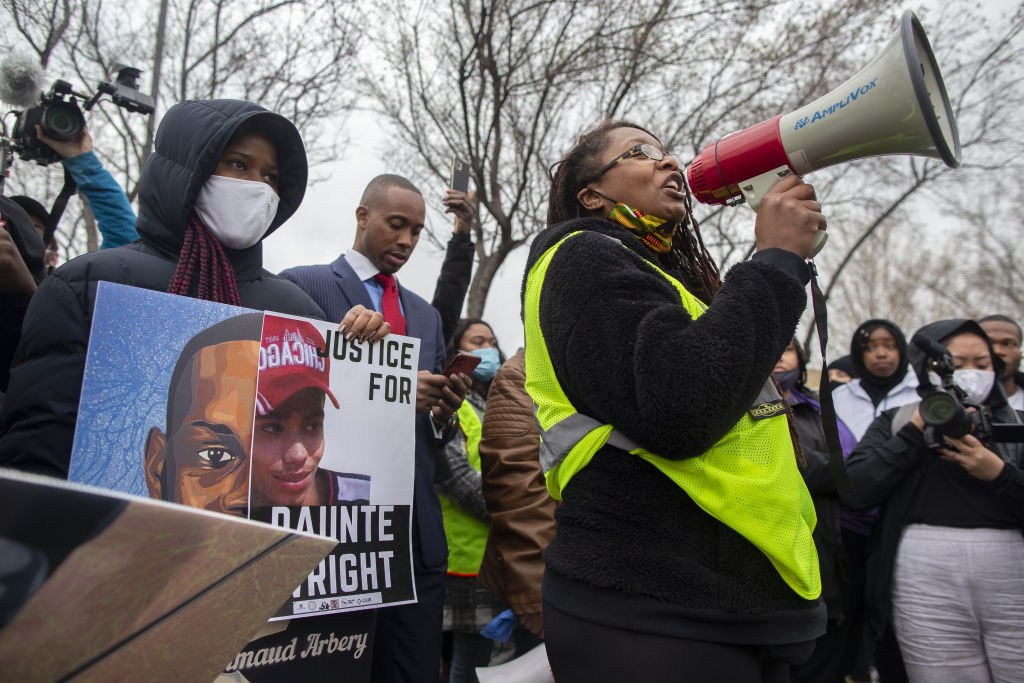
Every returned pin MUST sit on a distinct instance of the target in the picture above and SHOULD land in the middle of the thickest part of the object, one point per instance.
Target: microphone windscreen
(21, 80)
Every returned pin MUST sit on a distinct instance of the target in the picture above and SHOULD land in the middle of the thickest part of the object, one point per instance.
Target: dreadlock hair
(568, 176)
(202, 251)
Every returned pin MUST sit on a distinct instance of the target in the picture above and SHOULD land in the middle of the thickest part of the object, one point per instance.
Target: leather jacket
(522, 512)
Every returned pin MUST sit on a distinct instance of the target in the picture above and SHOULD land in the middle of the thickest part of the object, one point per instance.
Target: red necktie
(390, 309)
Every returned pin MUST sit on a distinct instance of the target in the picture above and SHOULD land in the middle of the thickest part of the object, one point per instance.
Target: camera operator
(948, 543)
(114, 216)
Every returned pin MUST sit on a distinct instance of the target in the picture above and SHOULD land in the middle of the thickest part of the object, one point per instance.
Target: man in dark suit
(389, 219)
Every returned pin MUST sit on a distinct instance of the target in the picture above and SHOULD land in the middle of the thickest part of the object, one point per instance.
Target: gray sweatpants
(958, 604)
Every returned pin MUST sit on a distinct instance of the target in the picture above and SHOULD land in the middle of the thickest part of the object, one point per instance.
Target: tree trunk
(486, 269)
(154, 87)
(92, 235)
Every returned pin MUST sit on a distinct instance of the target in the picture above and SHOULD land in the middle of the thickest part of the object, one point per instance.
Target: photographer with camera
(107, 200)
(114, 218)
(50, 127)
(947, 553)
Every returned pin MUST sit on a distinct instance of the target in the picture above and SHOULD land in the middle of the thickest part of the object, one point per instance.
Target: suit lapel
(352, 288)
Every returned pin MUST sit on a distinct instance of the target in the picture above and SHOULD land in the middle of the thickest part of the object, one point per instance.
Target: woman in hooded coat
(224, 174)
(878, 351)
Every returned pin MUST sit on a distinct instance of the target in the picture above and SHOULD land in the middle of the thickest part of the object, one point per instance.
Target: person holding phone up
(457, 268)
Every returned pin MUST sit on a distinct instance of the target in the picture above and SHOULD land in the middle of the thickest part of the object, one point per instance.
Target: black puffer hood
(189, 143)
(943, 329)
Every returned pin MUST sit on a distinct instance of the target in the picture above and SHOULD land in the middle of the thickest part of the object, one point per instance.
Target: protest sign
(98, 585)
(267, 416)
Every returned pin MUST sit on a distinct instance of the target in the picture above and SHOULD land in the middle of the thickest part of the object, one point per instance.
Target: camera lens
(938, 409)
(62, 121)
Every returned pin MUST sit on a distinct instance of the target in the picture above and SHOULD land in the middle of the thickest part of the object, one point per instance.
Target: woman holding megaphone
(683, 550)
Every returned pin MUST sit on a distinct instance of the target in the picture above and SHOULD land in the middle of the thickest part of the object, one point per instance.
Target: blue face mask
(489, 362)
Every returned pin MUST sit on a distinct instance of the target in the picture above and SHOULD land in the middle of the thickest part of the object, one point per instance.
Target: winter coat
(453, 282)
(522, 512)
(632, 549)
(887, 467)
(855, 408)
(38, 418)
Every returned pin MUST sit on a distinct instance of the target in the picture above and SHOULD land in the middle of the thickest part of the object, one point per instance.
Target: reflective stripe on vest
(748, 480)
(466, 533)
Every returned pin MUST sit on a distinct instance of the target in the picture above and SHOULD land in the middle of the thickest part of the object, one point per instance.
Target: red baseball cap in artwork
(289, 362)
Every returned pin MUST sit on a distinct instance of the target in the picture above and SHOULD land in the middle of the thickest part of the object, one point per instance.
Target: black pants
(407, 643)
(836, 653)
(583, 651)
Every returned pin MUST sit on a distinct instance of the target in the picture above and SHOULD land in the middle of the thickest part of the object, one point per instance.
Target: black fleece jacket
(38, 419)
(632, 550)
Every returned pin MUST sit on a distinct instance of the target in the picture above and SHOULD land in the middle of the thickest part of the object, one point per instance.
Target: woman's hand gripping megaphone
(789, 217)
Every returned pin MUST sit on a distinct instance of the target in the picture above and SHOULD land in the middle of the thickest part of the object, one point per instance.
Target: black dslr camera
(946, 410)
(61, 118)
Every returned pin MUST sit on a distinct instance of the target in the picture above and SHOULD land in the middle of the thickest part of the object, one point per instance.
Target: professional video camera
(946, 410)
(57, 111)
(59, 115)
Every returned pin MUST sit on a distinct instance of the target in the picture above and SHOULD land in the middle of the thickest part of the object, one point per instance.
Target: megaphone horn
(897, 104)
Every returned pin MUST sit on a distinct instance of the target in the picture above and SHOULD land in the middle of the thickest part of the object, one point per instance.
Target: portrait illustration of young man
(203, 458)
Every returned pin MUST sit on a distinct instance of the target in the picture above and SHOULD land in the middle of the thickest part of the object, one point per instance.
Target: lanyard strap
(836, 465)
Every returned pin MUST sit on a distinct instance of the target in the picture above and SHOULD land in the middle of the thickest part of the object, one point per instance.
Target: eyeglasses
(647, 150)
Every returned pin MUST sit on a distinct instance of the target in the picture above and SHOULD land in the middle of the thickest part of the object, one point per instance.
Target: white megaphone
(897, 104)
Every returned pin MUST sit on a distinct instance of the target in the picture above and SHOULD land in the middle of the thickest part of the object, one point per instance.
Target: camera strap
(59, 204)
(836, 465)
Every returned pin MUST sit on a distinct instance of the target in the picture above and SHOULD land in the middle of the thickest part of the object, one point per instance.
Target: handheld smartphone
(460, 176)
(463, 363)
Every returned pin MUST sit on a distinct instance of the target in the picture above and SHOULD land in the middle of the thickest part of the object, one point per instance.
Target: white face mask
(237, 212)
(977, 384)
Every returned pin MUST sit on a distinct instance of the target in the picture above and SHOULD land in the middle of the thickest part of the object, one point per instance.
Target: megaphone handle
(820, 238)
(755, 188)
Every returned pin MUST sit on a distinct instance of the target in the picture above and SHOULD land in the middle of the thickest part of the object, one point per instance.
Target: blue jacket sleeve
(108, 202)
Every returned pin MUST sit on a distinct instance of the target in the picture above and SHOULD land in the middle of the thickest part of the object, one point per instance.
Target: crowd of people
(644, 488)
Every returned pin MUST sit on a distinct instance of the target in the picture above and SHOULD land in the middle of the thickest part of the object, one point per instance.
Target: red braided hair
(216, 276)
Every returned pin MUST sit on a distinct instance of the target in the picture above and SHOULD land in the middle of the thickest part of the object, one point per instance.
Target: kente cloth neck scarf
(654, 232)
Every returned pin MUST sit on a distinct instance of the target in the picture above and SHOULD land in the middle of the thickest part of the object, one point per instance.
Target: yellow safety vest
(466, 533)
(749, 480)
